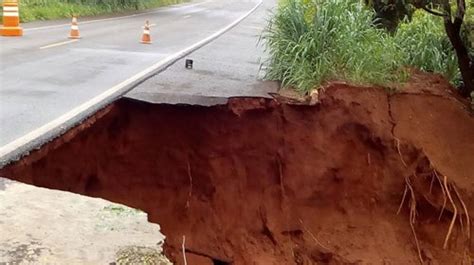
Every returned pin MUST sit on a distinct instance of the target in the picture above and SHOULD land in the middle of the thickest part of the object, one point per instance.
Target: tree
(389, 13)
(453, 23)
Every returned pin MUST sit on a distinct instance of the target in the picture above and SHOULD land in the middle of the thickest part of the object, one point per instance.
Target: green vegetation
(31, 10)
(338, 43)
(120, 210)
(339, 40)
(457, 22)
(426, 46)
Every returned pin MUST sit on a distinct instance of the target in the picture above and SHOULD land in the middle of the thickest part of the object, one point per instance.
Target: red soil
(255, 182)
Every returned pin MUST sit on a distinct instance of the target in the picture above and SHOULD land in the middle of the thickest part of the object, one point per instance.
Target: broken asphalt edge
(35, 139)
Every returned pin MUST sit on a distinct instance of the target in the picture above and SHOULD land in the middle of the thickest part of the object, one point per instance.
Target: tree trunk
(466, 65)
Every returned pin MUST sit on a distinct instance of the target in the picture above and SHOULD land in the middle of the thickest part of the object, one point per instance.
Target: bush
(341, 42)
(338, 43)
(426, 46)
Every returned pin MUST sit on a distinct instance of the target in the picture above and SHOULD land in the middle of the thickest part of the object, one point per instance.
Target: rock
(314, 97)
(42, 226)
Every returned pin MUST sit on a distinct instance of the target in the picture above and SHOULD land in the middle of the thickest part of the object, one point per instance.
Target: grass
(339, 42)
(313, 41)
(426, 46)
(120, 210)
(31, 10)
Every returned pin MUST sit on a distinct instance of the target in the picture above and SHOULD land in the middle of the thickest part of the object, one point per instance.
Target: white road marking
(57, 44)
(107, 96)
(188, 16)
(117, 18)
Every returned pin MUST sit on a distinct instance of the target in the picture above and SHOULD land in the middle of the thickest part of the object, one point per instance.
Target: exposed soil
(257, 182)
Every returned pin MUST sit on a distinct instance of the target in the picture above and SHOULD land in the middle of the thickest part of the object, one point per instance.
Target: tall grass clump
(425, 46)
(339, 42)
(311, 41)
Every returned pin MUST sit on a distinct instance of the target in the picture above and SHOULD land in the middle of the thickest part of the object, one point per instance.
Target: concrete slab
(42, 226)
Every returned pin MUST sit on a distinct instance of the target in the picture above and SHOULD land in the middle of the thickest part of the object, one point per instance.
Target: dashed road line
(57, 44)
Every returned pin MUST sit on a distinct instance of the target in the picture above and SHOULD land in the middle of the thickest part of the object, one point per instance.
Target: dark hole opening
(220, 262)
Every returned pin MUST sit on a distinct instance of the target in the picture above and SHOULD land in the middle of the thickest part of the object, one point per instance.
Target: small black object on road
(189, 64)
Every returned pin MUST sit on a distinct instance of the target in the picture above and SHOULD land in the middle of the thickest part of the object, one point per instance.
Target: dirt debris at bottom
(257, 182)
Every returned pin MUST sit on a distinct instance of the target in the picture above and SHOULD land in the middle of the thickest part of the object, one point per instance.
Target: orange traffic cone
(74, 34)
(11, 19)
(146, 38)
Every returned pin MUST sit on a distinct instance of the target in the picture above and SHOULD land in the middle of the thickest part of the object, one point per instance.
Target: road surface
(230, 66)
(47, 80)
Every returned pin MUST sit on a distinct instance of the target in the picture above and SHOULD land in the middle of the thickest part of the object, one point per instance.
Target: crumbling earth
(364, 177)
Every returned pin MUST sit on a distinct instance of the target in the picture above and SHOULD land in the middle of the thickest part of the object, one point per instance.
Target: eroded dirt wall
(256, 182)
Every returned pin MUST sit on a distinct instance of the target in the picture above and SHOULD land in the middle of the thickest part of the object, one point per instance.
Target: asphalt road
(44, 76)
(230, 66)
